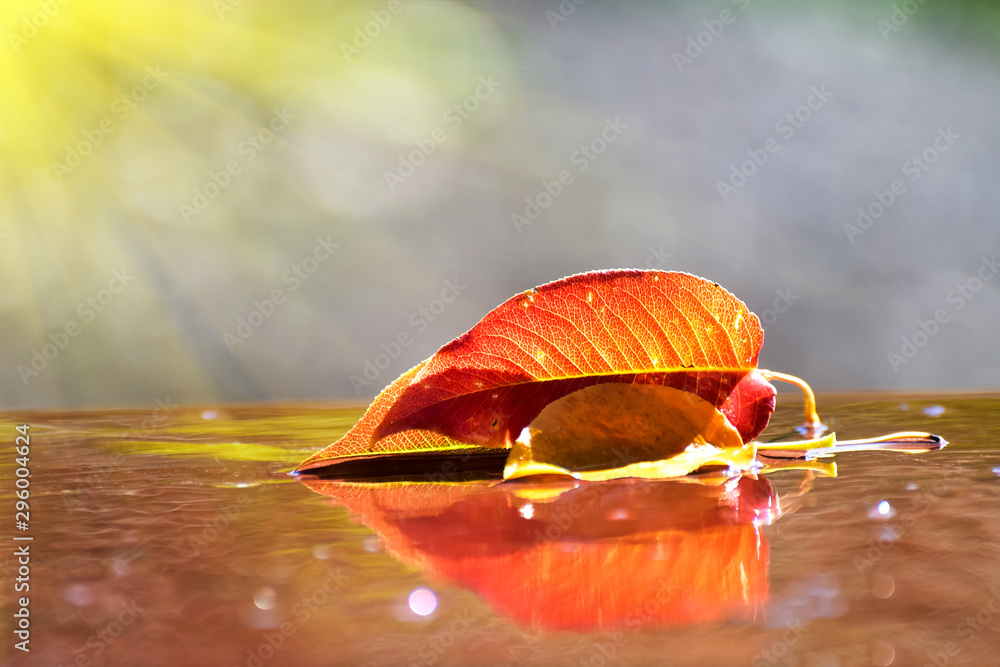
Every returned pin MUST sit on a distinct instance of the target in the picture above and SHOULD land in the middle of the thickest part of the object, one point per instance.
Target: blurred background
(238, 201)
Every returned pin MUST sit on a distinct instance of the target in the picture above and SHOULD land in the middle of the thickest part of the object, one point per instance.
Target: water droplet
(120, 567)
(934, 410)
(889, 533)
(912, 486)
(527, 510)
(996, 471)
(882, 511)
(78, 595)
(236, 485)
(883, 653)
(209, 414)
(423, 601)
(265, 597)
(883, 586)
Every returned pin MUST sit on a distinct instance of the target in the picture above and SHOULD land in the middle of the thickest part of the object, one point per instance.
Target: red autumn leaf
(750, 405)
(629, 326)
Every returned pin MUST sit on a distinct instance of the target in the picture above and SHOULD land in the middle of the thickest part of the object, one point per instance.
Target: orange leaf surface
(643, 327)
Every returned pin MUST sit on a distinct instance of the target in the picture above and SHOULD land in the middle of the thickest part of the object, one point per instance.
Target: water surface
(175, 536)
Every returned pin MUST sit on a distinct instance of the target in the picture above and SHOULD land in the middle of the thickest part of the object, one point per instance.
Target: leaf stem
(812, 427)
(906, 441)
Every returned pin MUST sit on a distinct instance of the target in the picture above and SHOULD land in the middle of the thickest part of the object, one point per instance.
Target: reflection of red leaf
(672, 578)
(618, 554)
(628, 326)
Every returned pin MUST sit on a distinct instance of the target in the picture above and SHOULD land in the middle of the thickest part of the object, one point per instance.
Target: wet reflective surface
(586, 557)
(174, 536)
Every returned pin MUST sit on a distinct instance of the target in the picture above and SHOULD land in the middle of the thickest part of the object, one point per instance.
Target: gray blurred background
(245, 171)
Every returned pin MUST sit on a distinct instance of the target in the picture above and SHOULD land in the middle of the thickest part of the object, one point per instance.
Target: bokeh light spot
(423, 601)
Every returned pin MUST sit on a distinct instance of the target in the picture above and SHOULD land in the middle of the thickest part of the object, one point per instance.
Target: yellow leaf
(609, 431)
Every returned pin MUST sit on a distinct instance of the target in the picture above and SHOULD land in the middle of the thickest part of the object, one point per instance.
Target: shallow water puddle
(177, 537)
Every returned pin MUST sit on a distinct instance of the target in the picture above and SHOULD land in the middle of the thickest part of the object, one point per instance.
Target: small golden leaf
(609, 431)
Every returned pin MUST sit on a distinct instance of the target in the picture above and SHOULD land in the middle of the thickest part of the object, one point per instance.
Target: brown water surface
(175, 537)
